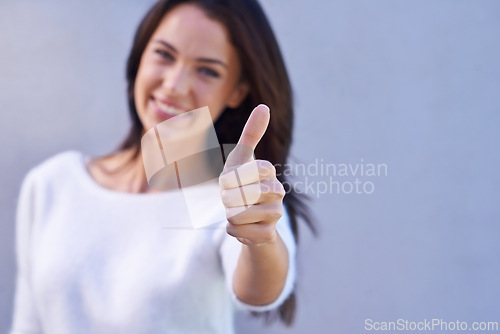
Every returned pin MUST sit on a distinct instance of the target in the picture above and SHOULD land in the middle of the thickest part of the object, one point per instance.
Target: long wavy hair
(265, 73)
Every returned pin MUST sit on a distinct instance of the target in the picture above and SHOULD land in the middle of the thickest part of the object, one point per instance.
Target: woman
(94, 255)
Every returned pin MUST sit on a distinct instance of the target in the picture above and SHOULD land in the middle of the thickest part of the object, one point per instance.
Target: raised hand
(250, 191)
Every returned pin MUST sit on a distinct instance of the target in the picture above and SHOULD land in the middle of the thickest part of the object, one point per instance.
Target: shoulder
(58, 167)
(43, 182)
(59, 162)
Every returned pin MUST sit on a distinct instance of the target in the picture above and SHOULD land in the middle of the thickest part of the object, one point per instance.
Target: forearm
(261, 272)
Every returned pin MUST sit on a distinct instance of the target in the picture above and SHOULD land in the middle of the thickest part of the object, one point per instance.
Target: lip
(170, 102)
(161, 113)
(157, 110)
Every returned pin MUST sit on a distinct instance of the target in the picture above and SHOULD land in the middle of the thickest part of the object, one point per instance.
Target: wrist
(269, 242)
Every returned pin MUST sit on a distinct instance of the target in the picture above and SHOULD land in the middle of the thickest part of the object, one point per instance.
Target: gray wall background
(411, 84)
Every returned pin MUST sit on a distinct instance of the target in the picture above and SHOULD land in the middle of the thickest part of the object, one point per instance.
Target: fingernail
(264, 105)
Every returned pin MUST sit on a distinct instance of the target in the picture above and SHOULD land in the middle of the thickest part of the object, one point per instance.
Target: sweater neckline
(87, 178)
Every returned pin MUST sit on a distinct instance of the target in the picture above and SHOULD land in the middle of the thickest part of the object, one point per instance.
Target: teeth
(168, 109)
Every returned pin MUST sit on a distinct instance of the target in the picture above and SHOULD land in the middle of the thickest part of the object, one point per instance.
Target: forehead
(193, 33)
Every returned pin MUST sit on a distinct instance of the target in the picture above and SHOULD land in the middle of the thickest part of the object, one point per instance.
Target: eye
(208, 72)
(164, 54)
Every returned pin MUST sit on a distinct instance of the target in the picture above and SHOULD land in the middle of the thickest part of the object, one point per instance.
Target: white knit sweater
(92, 260)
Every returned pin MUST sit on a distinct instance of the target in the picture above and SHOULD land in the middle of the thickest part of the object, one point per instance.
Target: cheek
(204, 91)
(144, 83)
(149, 72)
(139, 85)
(212, 93)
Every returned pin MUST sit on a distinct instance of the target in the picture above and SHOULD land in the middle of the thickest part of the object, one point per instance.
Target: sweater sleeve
(230, 252)
(25, 318)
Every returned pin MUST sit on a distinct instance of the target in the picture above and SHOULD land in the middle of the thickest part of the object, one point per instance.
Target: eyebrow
(204, 60)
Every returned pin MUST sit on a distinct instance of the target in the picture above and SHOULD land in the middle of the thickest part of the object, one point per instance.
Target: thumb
(253, 132)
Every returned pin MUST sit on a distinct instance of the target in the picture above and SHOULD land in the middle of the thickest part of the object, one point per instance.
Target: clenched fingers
(248, 173)
(267, 191)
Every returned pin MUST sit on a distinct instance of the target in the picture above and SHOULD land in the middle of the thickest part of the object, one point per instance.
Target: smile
(168, 109)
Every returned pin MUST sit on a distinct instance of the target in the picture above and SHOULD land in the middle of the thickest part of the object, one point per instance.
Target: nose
(176, 81)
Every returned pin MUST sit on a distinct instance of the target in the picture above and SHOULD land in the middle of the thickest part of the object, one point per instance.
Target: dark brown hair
(264, 71)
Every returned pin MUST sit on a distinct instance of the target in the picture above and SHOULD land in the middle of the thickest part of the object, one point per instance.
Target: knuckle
(225, 197)
(223, 183)
(267, 164)
(268, 234)
(233, 218)
(274, 190)
(266, 168)
(264, 189)
(236, 216)
(280, 189)
(231, 230)
(229, 214)
(276, 211)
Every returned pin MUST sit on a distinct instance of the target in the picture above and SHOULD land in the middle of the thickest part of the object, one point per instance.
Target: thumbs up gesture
(250, 191)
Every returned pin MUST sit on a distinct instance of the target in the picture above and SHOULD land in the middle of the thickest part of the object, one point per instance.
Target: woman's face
(188, 63)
